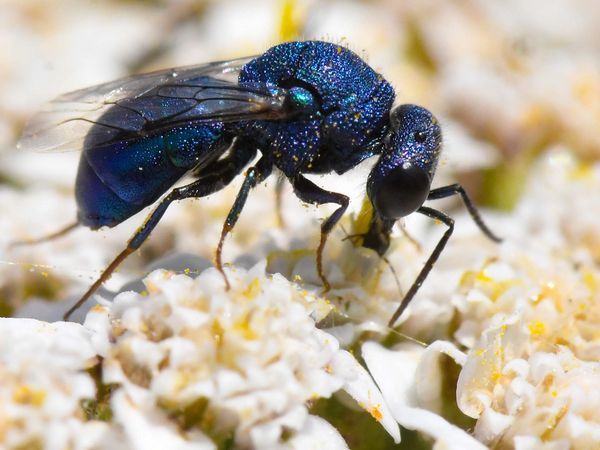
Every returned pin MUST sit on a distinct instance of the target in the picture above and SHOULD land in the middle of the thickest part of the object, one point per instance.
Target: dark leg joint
(457, 189)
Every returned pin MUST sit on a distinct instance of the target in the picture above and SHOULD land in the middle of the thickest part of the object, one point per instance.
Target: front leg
(457, 189)
(309, 192)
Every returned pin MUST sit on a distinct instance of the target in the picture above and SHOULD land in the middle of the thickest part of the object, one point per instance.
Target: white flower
(241, 363)
(528, 318)
(44, 387)
(394, 371)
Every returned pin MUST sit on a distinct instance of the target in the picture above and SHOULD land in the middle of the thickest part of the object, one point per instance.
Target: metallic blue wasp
(305, 107)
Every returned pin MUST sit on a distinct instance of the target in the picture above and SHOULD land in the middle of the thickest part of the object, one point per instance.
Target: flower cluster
(214, 365)
(526, 337)
(44, 387)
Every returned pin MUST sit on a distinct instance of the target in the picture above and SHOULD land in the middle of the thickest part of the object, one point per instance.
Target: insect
(305, 107)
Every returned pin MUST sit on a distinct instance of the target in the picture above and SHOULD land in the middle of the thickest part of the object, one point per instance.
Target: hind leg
(223, 171)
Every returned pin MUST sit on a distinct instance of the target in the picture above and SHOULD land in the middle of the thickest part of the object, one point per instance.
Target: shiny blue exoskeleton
(341, 116)
(305, 107)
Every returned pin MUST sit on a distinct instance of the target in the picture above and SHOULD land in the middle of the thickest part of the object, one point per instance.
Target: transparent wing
(135, 106)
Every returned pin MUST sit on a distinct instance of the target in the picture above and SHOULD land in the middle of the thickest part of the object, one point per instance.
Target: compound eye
(400, 192)
(420, 136)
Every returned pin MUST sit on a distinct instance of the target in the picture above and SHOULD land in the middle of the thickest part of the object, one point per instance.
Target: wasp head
(400, 180)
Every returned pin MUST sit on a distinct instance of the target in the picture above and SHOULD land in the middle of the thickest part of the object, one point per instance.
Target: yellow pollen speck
(559, 340)
(99, 308)
(182, 379)
(151, 287)
(581, 172)
(585, 88)
(243, 327)
(589, 280)
(338, 50)
(25, 395)
(495, 376)
(548, 381)
(534, 116)
(554, 422)
(45, 274)
(537, 328)
(479, 352)
(554, 393)
(467, 279)
(187, 270)
(483, 277)
(217, 331)
(375, 411)
(253, 289)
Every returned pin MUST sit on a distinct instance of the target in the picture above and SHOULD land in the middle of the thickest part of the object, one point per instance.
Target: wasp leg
(254, 175)
(49, 237)
(309, 192)
(223, 172)
(449, 222)
(457, 189)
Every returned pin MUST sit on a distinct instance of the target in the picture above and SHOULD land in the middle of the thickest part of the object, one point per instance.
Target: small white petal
(447, 436)
(492, 424)
(317, 434)
(583, 430)
(393, 371)
(98, 322)
(535, 443)
(429, 375)
(362, 388)
(150, 430)
(518, 366)
(267, 435)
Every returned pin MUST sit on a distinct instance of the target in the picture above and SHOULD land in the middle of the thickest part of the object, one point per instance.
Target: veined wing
(139, 105)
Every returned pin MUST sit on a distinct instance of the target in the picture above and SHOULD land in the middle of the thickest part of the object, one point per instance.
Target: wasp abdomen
(116, 181)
